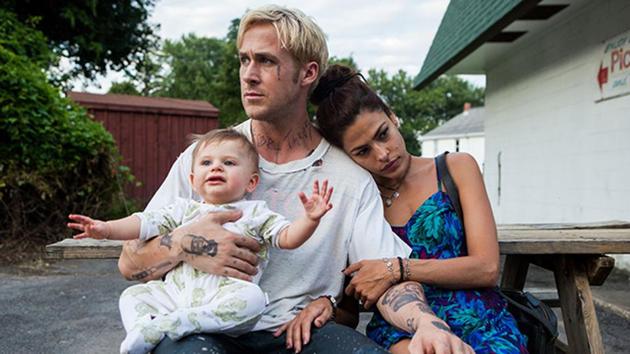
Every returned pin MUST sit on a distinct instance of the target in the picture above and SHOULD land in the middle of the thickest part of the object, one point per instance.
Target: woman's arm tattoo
(411, 324)
(409, 293)
(441, 326)
(200, 246)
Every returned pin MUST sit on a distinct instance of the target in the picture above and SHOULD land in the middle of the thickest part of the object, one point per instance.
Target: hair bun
(334, 77)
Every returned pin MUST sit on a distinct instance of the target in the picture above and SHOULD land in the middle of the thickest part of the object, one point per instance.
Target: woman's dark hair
(340, 96)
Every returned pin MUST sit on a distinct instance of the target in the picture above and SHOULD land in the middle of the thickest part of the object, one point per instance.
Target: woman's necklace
(389, 199)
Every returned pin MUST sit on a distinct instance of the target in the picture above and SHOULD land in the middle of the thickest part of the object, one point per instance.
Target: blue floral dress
(477, 316)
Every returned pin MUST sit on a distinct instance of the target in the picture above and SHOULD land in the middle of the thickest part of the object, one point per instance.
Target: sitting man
(282, 54)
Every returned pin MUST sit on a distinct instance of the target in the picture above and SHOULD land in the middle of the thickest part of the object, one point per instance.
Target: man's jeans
(332, 338)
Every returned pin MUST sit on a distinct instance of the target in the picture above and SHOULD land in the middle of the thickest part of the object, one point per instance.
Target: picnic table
(576, 255)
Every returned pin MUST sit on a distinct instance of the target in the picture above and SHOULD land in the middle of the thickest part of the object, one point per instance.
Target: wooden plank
(86, 248)
(578, 310)
(514, 272)
(575, 241)
(598, 268)
(610, 224)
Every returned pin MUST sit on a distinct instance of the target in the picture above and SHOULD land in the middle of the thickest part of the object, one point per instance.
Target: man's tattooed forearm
(409, 293)
(148, 272)
(167, 240)
(441, 326)
(200, 246)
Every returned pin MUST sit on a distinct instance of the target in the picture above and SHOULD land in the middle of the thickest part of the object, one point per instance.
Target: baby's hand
(91, 228)
(319, 203)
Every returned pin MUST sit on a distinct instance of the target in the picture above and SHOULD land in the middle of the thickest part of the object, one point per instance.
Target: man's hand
(204, 244)
(298, 330)
(318, 203)
(435, 337)
(370, 279)
(210, 248)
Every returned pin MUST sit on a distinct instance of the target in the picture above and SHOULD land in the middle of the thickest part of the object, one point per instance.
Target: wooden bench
(574, 253)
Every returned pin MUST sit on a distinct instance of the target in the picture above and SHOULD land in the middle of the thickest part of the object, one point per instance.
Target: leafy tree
(207, 69)
(54, 159)
(421, 111)
(347, 61)
(93, 34)
(124, 88)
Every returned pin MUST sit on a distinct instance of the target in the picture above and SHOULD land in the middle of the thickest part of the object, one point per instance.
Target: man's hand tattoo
(200, 246)
(167, 241)
(410, 293)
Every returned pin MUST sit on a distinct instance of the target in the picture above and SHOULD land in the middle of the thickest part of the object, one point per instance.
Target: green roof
(466, 25)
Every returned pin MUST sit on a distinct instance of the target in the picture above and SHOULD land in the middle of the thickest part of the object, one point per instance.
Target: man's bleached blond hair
(298, 34)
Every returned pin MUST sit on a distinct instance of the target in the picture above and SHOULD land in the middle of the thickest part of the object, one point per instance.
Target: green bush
(54, 159)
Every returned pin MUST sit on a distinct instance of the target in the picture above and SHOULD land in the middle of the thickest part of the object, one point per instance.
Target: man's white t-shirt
(355, 229)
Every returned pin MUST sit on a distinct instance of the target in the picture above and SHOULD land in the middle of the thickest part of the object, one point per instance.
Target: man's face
(270, 77)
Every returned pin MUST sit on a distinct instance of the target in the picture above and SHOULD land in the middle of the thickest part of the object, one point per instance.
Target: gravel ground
(71, 307)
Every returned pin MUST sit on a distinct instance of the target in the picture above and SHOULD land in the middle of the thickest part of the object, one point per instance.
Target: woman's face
(374, 142)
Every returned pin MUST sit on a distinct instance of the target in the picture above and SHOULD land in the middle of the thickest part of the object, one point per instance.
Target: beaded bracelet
(402, 272)
(407, 270)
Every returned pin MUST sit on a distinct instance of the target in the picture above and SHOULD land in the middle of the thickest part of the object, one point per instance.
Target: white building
(464, 133)
(557, 117)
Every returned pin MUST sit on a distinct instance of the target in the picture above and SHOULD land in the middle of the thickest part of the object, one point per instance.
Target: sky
(388, 35)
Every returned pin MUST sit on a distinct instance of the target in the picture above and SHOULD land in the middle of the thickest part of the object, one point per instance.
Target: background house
(464, 133)
(150, 132)
(557, 108)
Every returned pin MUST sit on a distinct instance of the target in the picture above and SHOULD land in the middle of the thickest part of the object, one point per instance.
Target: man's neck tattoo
(292, 139)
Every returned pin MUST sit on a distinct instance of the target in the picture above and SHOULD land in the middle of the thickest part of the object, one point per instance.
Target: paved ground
(72, 307)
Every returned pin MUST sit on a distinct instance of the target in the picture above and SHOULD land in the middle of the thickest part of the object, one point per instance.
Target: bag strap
(449, 184)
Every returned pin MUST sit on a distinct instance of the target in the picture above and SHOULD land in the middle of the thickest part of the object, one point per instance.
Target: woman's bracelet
(390, 268)
(402, 271)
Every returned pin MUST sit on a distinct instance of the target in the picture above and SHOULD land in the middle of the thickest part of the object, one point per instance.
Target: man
(282, 54)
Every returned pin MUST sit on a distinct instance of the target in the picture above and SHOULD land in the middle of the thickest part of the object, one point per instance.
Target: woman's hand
(436, 337)
(298, 329)
(370, 280)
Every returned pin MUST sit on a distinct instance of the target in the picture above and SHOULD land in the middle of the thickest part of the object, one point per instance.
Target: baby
(224, 170)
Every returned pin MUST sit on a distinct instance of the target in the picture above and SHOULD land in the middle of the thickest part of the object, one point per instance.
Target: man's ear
(253, 182)
(309, 73)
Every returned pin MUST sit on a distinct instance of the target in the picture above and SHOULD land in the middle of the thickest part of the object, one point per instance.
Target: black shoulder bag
(535, 319)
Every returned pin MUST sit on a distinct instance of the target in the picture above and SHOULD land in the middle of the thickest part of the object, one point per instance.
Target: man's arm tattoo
(200, 246)
(167, 241)
(409, 293)
(143, 274)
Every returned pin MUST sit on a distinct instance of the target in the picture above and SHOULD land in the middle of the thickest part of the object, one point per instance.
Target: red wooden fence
(150, 132)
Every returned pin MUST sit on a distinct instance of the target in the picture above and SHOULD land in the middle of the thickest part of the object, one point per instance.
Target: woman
(458, 273)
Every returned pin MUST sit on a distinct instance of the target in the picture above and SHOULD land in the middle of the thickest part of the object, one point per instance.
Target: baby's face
(223, 173)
